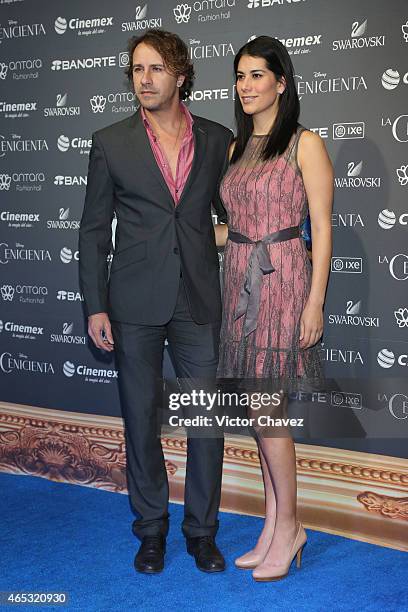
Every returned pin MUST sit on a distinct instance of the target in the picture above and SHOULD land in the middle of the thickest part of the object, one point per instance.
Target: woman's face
(257, 86)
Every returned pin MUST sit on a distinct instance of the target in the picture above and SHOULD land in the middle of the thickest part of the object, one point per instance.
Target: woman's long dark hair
(278, 61)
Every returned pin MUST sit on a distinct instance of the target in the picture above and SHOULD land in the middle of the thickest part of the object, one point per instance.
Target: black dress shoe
(150, 556)
(207, 556)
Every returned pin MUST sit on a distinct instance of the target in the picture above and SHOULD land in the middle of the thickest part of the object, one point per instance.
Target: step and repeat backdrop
(62, 77)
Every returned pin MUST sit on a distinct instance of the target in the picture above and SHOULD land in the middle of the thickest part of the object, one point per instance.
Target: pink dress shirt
(185, 158)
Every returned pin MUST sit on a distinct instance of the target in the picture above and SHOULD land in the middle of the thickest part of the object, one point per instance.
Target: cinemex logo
(323, 84)
(83, 27)
(69, 296)
(21, 363)
(387, 219)
(399, 127)
(141, 22)
(19, 220)
(120, 102)
(66, 336)
(387, 358)
(391, 79)
(357, 40)
(17, 110)
(352, 317)
(14, 30)
(20, 253)
(21, 69)
(63, 222)
(348, 131)
(16, 144)
(107, 61)
(253, 4)
(300, 45)
(67, 255)
(81, 145)
(183, 12)
(20, 180)
(401, 317)
(397, 265)
(354, 180)
(348, 265)
(27, 294)
(210, 51)
(92, 375)
(347, 219)
(21, 332)
(70, 181)
(61, 109)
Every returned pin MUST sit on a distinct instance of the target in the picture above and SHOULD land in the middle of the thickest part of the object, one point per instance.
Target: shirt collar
(188, 116)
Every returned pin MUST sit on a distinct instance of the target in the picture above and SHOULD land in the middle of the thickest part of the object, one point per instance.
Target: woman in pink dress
(273, 298)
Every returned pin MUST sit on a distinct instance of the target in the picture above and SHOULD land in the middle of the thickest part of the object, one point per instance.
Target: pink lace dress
(261, 198)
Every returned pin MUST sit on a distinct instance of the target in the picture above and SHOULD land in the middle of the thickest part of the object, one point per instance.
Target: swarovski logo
(357, 39)
(140, 22)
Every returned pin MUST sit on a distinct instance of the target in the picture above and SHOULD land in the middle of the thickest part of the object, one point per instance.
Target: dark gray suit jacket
(155, 239)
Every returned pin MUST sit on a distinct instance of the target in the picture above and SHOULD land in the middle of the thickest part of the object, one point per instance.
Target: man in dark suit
(159, 171)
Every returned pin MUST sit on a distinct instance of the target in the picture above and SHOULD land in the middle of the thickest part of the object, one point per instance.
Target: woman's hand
(311, 325)
(221, 234)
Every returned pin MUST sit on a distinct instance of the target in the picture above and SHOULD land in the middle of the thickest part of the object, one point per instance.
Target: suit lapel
(200, 146)
(139, 142)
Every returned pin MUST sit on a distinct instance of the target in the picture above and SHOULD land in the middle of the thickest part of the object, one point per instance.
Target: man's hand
(99, 328)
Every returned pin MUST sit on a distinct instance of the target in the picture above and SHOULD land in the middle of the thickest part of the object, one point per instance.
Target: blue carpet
(57, 537)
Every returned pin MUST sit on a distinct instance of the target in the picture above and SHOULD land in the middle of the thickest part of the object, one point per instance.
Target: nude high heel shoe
(241, 563)
(282, 570)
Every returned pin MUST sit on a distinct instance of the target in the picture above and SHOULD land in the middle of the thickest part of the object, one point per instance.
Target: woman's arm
(317, 172)
(221, 230)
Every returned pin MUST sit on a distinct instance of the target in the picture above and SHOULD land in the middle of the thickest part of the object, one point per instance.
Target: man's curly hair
(174, 53)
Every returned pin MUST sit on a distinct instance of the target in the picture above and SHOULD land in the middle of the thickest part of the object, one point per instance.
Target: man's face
(154, 86)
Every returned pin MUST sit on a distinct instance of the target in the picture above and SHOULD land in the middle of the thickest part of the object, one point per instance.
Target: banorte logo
(270, 3)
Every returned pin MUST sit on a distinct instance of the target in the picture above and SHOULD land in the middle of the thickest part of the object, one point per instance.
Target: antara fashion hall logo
(89, 374)
(16, 144)
(17, 110)
(354, 178)
(322, 83)
(204, 11)
(16, 30)
(87, 63)
(83, 27)
(117, 102)
(21, 69)
(358, 39)
(198, 50)
(20, 253)
(61, 108)
(352, 316)
(64, 222)
(141, 21)
(78, 144)
(22, 181)
(19, 364)
(25, 294)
